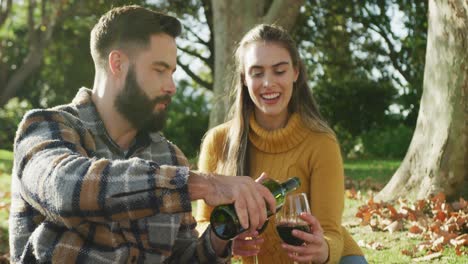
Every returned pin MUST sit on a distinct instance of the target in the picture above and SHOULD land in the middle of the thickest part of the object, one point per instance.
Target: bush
(10, 116)
(346, 140)
(188, 119)
(387, 142)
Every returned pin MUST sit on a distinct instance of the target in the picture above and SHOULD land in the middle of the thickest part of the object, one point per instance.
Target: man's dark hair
(127, 27)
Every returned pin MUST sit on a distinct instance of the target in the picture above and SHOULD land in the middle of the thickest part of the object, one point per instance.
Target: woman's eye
(279, 72)
(256, 74)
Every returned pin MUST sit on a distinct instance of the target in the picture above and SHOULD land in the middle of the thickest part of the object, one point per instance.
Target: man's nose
(170, 88)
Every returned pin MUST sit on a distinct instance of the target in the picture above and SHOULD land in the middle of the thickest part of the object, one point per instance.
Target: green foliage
(387, 142)
(6, 160)
(358, 64)
(10, 116)
(354, 103)
(188, 118)
(379, 170)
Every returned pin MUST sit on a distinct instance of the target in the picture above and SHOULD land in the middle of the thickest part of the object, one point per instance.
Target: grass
(393, 243)
(6, 160)
(379, 171)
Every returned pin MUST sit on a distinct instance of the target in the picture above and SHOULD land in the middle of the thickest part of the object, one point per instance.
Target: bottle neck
(290, 185)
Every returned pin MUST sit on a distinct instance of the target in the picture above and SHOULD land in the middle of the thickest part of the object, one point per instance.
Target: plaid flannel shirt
(78, 198)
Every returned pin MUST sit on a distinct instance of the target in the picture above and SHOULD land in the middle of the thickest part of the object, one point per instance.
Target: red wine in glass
(285, 232)
(288, 218)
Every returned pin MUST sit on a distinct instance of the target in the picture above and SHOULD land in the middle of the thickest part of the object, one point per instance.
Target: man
(94, 181)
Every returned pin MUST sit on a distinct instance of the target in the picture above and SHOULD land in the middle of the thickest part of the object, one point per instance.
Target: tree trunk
(231, 20)
(15, 82)
(437, 158)
(38, 41)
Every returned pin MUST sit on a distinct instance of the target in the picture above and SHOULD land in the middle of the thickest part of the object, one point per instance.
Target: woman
(276, 128)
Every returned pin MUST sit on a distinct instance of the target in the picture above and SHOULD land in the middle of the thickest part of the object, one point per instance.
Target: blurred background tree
(365, 62)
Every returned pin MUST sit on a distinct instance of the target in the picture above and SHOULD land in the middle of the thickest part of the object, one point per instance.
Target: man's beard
(137, 107)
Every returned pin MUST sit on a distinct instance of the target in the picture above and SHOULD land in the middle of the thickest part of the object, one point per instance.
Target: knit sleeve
(207, 162)
(326, 195)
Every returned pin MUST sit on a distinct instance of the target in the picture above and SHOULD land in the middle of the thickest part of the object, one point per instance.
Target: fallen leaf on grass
(438, 223)
(5, 259)
(393, 227)
(460, 240)
(353, 194)
(4, 205)
(415, 229)
(371, 245)
(4, 195)
(438, 198)
(428, 257)
(410, 251)
(460, 204)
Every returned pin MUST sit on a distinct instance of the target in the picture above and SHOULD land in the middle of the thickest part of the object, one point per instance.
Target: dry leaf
(460, 240)
(4, 205)
(371, 245)
(439, 198)
(428, 257)
(437, 222)
(415, 229)
(393, 227)
(409, 252)
(351, 194)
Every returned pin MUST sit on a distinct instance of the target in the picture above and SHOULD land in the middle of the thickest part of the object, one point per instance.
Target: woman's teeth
(270, 96)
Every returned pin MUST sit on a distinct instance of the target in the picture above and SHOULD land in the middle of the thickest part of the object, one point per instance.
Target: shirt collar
(88, 113)
(92, 121)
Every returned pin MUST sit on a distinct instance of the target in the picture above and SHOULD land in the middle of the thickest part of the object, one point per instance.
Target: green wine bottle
(224, 220)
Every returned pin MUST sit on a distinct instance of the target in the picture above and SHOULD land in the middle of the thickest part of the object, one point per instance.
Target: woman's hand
(247, 244)
(314, 249)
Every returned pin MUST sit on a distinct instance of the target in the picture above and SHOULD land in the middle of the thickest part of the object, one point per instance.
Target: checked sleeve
(60, 177)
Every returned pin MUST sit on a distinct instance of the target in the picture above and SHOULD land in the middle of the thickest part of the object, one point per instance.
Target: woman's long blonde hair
(235, 160)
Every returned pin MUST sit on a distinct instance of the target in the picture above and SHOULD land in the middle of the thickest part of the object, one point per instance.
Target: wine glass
(260, 231)
(287, 219)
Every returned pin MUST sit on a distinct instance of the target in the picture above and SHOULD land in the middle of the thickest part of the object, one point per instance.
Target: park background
(390, 76)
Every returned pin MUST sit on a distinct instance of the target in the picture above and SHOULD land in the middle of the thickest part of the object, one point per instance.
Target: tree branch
(195, 54)
(38, 41)
(43, 13)
(5, 12)
(31, 29)
(392, 54)
(186, 68)
(200, 40)
(208, 10)
(387, 31)
(283, 12)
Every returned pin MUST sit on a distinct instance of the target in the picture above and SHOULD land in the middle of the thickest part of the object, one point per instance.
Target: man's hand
(249, 197)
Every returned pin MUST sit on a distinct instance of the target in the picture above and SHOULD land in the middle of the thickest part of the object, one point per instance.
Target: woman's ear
(296, 73)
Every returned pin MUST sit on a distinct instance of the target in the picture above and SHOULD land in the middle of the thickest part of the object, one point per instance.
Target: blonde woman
(276, 127)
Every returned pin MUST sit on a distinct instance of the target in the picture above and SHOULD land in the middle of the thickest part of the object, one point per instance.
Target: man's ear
(117, 62)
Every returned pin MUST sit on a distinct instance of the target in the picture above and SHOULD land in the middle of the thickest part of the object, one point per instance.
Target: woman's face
(269, 76)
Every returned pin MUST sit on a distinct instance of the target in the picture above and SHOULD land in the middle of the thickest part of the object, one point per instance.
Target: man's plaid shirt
(78, 198)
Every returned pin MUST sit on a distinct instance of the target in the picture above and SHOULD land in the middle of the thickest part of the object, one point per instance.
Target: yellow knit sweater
(291, 151)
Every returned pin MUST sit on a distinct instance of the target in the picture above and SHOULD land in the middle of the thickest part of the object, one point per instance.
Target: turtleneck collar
(279, 140)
